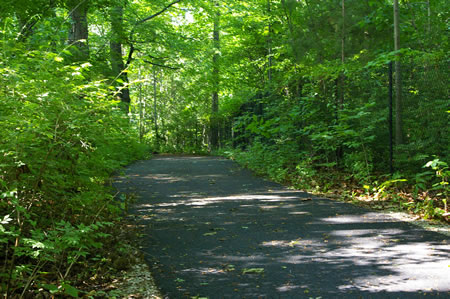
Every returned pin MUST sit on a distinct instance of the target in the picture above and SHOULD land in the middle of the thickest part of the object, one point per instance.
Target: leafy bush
(62, 137)
(330, 121)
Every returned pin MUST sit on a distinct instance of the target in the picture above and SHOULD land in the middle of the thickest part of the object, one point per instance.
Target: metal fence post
(391, 145)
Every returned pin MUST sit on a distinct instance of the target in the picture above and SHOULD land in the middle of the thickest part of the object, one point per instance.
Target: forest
(340, 97)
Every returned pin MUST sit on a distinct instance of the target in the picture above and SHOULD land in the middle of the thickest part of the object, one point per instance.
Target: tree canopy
(305, 91)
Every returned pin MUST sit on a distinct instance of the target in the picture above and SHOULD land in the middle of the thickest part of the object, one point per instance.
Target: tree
(215, 81)
(398, 78)
(155, 109)
(79, 32)
(269, 44)
(117, 65)
(119, 68)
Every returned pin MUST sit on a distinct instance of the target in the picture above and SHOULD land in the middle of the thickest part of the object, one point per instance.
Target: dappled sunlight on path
(214, 230)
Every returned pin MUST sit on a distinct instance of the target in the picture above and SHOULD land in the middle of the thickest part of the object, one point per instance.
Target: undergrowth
(62, 136)
(424, 194)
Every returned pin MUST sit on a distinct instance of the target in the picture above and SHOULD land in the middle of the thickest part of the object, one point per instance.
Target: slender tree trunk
(141, 111)
(343, 32)
(391, 129)
(269, 45)
(340, 83)
(155, 110)
(115, 43)
(342, 77)
(117, 64)
(398, 79)
(216, 82)
(78, 33)
(429, 17)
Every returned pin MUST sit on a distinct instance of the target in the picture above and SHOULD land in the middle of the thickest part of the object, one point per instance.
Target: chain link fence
(359, 111)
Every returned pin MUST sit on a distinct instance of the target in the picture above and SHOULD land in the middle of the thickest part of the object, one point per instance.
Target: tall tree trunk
(398, 79)
(155, 111)
(340, 82)
(343, 36)
(343, 32)
(141, 111)
(216, 82)
(117, 64)
(269, 44)
(78, 33)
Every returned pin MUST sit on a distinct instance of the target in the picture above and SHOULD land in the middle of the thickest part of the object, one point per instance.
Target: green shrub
(62, 136)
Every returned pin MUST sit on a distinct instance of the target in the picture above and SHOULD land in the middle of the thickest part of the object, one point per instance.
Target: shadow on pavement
(214, 230)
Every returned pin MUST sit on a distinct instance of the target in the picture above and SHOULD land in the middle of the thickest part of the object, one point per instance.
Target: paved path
(214, 230)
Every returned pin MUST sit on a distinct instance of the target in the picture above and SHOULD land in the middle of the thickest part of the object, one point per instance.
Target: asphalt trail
(212, 229)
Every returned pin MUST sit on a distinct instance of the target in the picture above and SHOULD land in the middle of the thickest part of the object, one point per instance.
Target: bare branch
(130, 55)
(132, 48)
(161, 65)
(156, 58)
(158, 13)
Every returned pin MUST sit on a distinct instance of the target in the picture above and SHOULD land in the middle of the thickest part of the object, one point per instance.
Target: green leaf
(70, 290)
(210, 234)
(253, 271)
(51, 288)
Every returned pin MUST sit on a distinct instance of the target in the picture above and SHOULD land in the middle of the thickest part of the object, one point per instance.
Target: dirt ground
(213, 230)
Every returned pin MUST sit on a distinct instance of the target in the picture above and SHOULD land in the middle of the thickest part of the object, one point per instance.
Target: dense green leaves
(302, 87)
(62, 136)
